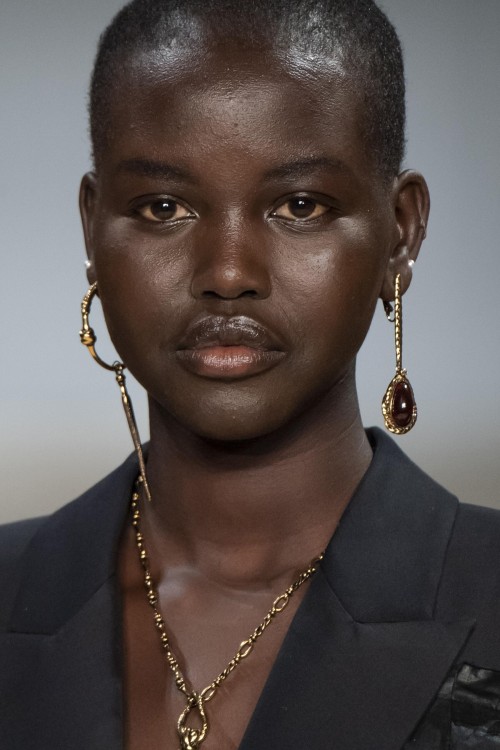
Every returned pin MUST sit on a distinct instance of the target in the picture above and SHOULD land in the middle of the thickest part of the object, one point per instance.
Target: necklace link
(191, 738)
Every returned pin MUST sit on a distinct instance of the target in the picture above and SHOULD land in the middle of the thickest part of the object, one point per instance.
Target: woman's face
(240, 236)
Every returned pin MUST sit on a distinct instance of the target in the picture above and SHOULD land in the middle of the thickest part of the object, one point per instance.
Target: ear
(87, 201)
(411, 207)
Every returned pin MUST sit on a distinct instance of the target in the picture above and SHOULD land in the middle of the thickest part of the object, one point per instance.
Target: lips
(228, 348)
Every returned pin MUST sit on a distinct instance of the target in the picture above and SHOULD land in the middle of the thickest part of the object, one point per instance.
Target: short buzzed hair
(355, 34)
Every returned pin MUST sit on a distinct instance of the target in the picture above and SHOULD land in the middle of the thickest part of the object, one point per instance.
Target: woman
(245, 215)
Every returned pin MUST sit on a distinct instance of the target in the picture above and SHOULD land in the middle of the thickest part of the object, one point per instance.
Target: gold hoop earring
(88, 339)
(398, 405)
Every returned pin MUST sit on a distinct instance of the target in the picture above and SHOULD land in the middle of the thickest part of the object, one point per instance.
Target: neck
(253, 511)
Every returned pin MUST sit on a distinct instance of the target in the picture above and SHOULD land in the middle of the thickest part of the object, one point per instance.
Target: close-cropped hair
(354, 35)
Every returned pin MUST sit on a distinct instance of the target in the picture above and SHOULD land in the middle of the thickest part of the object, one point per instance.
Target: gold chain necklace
(191, 738)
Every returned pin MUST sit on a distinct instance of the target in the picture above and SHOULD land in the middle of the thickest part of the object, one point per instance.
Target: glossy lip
(228, 348)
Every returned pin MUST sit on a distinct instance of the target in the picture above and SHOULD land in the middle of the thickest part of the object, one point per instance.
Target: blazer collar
(61, 676)
(338, 683)
(73, 554)
(363, 657)
(384, 562)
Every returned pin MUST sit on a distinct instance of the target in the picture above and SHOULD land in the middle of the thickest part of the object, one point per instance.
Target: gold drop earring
(88, 339)
(399, 408)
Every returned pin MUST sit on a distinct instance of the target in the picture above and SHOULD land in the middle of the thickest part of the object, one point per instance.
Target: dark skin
(275, 210)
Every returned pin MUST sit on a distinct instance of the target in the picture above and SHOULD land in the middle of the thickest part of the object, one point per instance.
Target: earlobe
(411, 207)
(87, 210)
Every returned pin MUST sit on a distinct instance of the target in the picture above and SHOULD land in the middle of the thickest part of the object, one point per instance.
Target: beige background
(62, 425)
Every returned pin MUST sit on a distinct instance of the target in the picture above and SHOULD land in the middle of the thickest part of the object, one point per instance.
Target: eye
(164, 210)
(301, 208)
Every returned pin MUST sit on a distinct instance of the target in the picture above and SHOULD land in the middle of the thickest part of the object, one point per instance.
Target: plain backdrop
(62, 424)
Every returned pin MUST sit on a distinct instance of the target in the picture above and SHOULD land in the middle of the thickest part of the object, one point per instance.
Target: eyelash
(144, 206)
(314, 202)
(305, 198)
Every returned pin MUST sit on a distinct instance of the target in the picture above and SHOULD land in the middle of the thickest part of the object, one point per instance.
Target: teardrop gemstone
(403, 404)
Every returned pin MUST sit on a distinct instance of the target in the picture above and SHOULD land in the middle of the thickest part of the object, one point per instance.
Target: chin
(233, 428)
(222, 418)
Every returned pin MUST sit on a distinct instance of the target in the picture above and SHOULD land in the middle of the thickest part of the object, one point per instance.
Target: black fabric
(395, 645)
(465, 714)
(14, 539)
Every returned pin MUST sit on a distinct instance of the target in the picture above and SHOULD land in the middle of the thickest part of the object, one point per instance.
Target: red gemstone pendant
(398, 405)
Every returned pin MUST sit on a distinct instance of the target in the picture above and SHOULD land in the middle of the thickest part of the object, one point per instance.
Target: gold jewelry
(398, 405)
(191, 738)
(88, 339)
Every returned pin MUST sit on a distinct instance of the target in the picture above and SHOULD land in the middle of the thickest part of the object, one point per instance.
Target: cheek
(323, 293)
(330, 296)
(142, 286)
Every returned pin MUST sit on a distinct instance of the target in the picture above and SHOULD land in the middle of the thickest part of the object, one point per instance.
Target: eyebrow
(155, 169)
(301, 167)
(296, 168)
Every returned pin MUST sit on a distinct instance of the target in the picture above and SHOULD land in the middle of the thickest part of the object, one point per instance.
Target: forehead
(230, 99)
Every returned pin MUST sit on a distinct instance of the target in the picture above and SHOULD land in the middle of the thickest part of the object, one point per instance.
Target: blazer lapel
(343, 685)
(362, 660)
(64, 690)
(61, 674)
(364, 656)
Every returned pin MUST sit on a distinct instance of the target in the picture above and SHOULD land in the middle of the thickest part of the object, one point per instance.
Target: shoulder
(472, 565)
(477, 530)
(470, 582)
(469, 591)
(40, 557)
(14, 540)
(15, 536)
(426, 534)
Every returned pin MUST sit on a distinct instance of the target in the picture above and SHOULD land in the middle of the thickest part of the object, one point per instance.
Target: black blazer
(396, 643)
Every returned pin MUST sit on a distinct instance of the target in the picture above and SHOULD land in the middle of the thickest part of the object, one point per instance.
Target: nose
(230, 266)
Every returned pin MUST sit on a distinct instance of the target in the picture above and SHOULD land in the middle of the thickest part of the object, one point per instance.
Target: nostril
(252, 293)
(211, 295)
